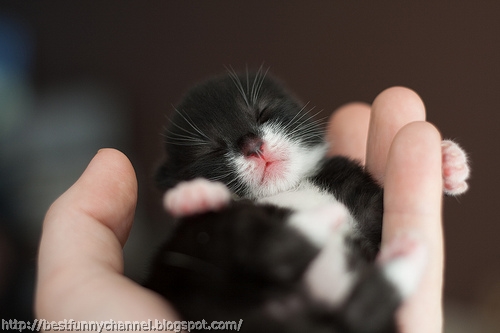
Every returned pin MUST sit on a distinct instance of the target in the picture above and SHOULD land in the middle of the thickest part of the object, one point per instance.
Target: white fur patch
(292, 160)
(319, 224)
(304, 196)
(327, 278)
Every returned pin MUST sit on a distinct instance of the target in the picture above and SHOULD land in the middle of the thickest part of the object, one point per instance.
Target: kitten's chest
(304, 197)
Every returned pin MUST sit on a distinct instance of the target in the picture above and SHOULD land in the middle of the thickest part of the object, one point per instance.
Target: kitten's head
(245, 131)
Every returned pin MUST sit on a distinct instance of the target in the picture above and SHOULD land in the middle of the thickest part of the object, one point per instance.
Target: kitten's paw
(455, 168)
(318, 224)
(403, 261)
(196, 196)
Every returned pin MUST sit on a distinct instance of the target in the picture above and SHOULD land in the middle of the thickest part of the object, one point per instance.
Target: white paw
(196, 196)
(318, 224)
(455, 168)
(403, 262)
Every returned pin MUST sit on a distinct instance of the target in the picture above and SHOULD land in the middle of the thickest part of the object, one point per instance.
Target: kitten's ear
(165, 177)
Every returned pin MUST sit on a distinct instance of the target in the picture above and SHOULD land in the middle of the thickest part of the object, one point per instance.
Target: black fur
(362, 196)
(243, 261)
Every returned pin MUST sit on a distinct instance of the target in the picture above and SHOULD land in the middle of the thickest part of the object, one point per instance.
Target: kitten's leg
(375, 297)
(326, 228)
(359, 192)
(329, 277)
(196, 196)
(455, 168)
(403, 261)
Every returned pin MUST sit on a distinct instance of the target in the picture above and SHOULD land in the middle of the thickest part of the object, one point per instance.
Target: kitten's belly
(305, 196)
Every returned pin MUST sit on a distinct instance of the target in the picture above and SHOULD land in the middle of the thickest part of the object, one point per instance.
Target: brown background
(329, 54)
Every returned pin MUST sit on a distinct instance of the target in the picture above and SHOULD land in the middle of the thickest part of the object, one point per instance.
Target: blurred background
(78, 76)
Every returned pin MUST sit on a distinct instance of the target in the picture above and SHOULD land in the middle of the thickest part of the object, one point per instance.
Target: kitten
(277, 269)
(302, 253)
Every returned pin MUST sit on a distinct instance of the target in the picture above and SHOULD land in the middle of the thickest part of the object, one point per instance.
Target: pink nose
(251, 145)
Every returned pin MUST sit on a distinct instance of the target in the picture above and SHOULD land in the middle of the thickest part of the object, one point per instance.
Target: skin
(403, 152)
(80, 263)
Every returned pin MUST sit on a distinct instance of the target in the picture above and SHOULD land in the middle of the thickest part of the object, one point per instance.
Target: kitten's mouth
(273, 170)
(270, 165)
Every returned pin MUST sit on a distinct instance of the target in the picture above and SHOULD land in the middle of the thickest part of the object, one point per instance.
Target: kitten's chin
(270, 189)
(274, 178)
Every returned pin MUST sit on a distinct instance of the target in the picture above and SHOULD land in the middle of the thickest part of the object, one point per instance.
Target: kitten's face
(244, 131)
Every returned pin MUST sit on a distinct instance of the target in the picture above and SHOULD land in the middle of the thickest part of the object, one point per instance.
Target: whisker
(314, 123)
(232, 181)
(308, 126)
(185, 140)
(183, 129)
(248, 84)
(187, 137)
(220, 177)
(191, 123)
(308, 119)
(257, 92)
(311, 128)
(253, 96)
(183, 144)
(191, 134)
(236, 80)
(287, 126)
(238, 187)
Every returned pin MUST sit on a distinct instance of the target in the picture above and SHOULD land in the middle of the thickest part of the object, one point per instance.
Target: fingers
(412, 204)
(411, 174)
(391, 110)
(80, 257)
(110, 179)
(348, 130)
(365, 133)
(99, 207)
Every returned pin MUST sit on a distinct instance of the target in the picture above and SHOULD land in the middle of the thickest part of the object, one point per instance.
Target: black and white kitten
(300, 256)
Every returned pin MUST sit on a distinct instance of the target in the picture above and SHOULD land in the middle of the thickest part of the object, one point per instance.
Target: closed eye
(264, 115)
(218, 147)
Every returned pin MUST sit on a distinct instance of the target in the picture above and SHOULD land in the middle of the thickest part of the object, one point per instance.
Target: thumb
(80, 256)
(93, 217)
(106, 191)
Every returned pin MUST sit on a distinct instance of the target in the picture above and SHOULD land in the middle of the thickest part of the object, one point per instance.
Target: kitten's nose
(251, 145)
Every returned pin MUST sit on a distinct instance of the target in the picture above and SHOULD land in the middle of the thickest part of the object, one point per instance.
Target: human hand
(403, 152)
(80, 262)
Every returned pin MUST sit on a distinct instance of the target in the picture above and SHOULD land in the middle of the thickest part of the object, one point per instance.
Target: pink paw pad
(402, 245)
(403, 262)
(195, 197)
(455, 168)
